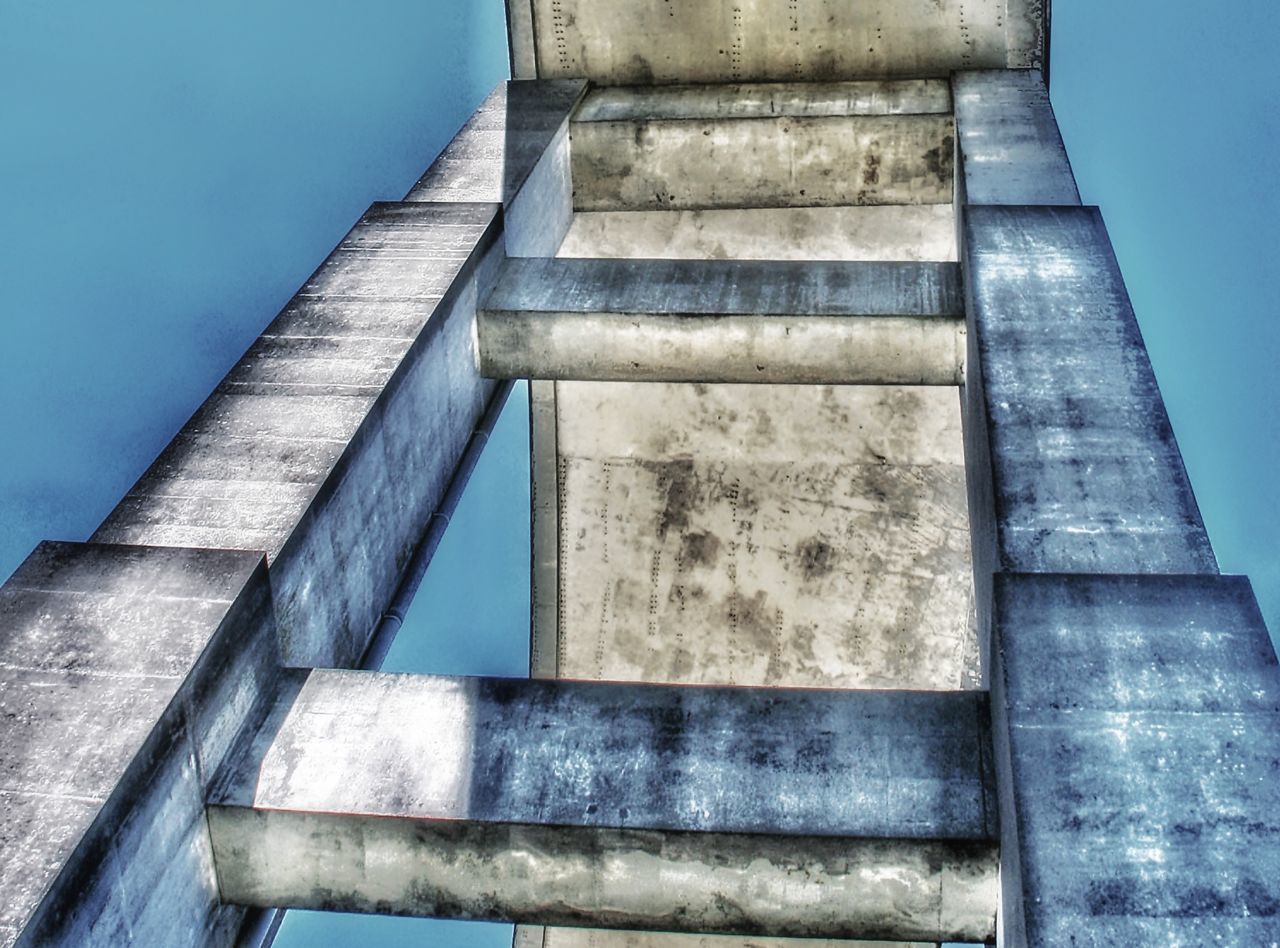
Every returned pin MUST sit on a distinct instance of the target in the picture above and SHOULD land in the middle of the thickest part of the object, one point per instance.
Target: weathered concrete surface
(495, 152)
(529, 936)
(332, 441)
(544, 500)
(725, 321)
(1085, 472)
(126, 675)
(765, 100)
(1142, 716)
(870, 232)
(564, 802)
(795, 161)
(761, 535)
(1010, 149)
(655, 41)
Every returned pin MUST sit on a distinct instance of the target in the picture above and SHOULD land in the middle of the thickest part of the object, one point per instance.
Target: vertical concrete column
(1108, 619)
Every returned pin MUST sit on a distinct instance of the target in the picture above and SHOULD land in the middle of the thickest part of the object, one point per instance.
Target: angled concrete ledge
(126, 675)
(1085, 473)
(767, 161)
(1010, 149)
(1137, 728)
(724, 321)
(368, 375)
(579, 803)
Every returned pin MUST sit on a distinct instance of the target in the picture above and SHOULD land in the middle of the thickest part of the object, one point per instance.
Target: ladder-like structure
(870, 596)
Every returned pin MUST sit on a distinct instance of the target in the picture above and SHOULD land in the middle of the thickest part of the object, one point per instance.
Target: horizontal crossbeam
(755, 811)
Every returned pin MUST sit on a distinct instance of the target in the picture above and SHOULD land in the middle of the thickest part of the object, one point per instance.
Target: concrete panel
(721, 320)
(544, 497)
(600, 793)
(524, 61)
(799, 161)
(654, 41)
(1011, 151)
(1138, 723)
(127, 674)
(872, 232)
(537, 937)
(764, 535)
(494, 153)
(368, 375)
(765, 100)
(1085, 470)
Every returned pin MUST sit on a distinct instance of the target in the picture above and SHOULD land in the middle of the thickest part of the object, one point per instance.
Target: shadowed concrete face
(651, 41)
(779, 535)
(537, 937)
(577, 803)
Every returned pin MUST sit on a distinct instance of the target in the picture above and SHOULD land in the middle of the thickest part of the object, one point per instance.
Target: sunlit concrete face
(763, 535)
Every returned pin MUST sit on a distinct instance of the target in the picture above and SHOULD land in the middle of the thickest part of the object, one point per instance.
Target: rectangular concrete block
(724, 321)
(573, 803)
(128, 672)
(1085, 472)
(1138, 736)
(494, 153)
(1010, 149)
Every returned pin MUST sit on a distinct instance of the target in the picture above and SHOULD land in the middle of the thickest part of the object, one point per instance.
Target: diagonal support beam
(725, 321)
(754, 811)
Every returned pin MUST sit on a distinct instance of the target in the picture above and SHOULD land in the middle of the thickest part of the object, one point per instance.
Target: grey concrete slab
(1010, 149)
(1138, 722)
(724, 320)
(654, 42)
(797, 161)
(293, 453)
(536, 937)
(765, 100)
(1085, 472)
(126, 673)
(494, 153)
(600, 777)
(763, 535)
(885, 232)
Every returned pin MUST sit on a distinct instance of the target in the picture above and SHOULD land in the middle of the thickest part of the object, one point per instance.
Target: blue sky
(169, 175)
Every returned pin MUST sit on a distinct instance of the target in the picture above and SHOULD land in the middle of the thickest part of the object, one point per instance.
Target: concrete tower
(870, 597)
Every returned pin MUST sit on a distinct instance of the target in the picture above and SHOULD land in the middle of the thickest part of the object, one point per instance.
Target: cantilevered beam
(754, 811)
(725, 321)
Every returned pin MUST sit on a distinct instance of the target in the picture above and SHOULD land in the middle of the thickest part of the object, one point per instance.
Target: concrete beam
(822, 814)
(1010, 149)
(1137, 735)
(367, 376)
(1084, 473)
(617, 42)
(540, 937)
(724, 321)
(887, 233)
(126, 675)
(513, 151)
(692, 163)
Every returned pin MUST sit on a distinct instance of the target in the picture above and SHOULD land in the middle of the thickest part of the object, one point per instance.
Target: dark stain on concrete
(816, 558)
(679, 485)
(940, 160)
(700, 549)
(871, 169)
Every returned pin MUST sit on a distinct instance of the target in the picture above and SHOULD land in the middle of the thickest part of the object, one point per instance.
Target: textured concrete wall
(126, 675)
(651, 41)
(559, 802)
(725, 321)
